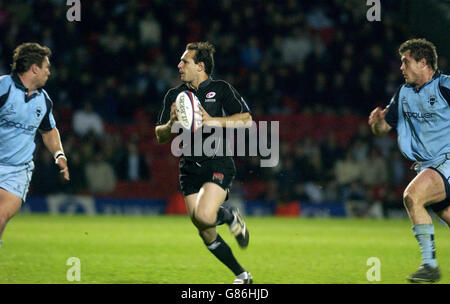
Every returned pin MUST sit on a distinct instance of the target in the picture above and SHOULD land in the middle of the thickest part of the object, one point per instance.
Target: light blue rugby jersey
(422, 119)
(20, 117)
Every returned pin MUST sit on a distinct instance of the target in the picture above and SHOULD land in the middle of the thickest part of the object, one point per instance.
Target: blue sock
(0, 243)
(424, 234)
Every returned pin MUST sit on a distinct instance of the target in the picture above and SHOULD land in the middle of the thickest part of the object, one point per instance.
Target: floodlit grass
(167, 249)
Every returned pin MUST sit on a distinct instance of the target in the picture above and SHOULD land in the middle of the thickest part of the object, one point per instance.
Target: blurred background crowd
(318, 67)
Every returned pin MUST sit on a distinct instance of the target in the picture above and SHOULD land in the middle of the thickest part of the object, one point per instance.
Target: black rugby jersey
(217, 97)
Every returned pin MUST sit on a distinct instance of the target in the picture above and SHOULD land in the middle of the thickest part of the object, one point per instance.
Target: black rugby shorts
(193, 175)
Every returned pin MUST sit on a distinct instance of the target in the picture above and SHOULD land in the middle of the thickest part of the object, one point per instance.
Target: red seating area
(296, 126)
(164, 166)
(254, 189)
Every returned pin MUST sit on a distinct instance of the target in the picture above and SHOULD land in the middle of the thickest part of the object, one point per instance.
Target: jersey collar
(19, 84)
(436, 74)
(205, 83)
(201, 85)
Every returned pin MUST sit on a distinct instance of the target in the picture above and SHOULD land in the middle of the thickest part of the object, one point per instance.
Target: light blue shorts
(442, 166)
(16, 179)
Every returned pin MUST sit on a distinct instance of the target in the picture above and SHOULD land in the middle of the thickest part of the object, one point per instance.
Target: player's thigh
(210, 197)
(426, 188)
(9, 204)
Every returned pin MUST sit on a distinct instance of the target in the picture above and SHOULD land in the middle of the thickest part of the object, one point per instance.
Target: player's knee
(3, 220)
(204, 218)
(409, 201)
(196, 223)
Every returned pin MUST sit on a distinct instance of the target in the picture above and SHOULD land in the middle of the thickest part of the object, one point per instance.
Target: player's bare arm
(52, 142)
(238, 120)
(377, 123)
(163, 133)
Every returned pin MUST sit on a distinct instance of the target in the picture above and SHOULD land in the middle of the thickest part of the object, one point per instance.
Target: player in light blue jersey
(420, 112)
(25, 108)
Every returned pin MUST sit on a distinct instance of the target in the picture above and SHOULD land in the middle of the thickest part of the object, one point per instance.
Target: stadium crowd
(318, 67)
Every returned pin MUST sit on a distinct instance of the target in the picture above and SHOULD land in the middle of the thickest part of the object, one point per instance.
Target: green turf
(167, 249)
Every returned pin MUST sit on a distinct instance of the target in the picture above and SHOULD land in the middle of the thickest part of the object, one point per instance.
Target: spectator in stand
(133, 166)
(251, 54)
(298, 193)
(86, 120)
(347, 171)
(100, 175)
(150, 31)
(297, 46)
(375, 170)
(397, 169)
(330, 151)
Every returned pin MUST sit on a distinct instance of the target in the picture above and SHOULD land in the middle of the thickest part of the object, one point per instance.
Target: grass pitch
(167, 249)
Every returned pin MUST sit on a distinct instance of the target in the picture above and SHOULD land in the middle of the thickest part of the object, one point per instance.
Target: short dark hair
(27, 54)
(204, 53)
(420, 48)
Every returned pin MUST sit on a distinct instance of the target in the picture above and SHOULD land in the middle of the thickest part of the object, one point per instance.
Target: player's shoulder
(180, 87)
(5, 80)
(221, 83)
(444, 80)
(46, 97)
(44, 92)
(401, 89)
(406, 88)
(175, 91)
(222, 86)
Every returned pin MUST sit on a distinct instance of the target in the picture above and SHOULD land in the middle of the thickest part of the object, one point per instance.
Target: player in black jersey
(205, 180)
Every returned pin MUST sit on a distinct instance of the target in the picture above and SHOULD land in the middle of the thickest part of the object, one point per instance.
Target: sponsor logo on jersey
(432, 100)
(17, 125)
(418, 115)
(218, 177)
(210, 95)
(38, 112)
(210, 100)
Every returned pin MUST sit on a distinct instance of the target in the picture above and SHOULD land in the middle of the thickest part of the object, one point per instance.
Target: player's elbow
(159, 136)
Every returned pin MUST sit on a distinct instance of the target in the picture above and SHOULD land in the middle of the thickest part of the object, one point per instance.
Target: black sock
(224, 215)
(223, 252)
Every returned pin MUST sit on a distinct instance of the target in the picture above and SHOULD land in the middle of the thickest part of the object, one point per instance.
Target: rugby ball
(188, 110)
